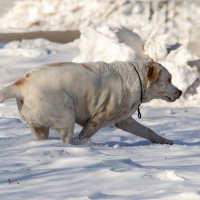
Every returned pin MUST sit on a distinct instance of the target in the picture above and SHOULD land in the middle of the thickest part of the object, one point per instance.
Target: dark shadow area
(173, 47)
(179, 142)
(123, 144)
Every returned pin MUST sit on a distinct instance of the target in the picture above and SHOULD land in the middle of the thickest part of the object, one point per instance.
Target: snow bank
(182, 76)
(102, 44)
(175, 17)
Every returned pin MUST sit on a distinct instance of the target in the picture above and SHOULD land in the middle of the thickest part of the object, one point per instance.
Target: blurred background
(35, 32)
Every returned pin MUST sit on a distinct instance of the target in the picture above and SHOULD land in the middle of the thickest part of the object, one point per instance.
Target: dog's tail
(9, 92)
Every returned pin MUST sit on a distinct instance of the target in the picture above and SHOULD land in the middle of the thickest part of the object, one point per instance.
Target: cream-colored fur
(93, 95)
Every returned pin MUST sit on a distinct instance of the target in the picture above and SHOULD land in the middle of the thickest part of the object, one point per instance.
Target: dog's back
(44, 93)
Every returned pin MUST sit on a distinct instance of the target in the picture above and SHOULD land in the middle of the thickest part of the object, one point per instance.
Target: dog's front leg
(92, 126)
(132, 126)
(88, 131)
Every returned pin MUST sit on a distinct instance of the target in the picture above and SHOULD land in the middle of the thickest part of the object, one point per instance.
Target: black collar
(141, 94)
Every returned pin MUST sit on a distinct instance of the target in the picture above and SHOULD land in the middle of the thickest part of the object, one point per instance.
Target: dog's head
(158, 83)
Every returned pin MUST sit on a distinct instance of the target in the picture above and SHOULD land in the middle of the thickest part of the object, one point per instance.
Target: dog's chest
(127, 109)
(130, 108)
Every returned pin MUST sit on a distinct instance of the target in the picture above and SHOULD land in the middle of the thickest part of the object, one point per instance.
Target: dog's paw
(77, 141)
(166, 141)
(163, 141)
(169, 142)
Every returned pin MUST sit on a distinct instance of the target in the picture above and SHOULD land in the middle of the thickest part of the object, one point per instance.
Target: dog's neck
(142, 74)
(129, 75)
(134, 78)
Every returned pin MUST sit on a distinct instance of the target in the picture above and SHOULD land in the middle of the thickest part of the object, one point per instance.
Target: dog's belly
(83, 117)
(119, 112)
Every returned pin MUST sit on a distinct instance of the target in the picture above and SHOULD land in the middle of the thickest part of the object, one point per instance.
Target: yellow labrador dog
(93, 95)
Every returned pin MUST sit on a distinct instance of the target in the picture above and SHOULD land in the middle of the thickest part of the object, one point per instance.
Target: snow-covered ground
(116, 164)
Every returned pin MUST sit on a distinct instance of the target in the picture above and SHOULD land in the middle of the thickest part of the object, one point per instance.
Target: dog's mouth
(170, 99)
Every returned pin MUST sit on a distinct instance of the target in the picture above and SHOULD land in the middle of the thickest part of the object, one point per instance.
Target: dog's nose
(179, 93)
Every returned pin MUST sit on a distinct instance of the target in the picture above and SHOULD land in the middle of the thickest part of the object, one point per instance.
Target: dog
(93, 95)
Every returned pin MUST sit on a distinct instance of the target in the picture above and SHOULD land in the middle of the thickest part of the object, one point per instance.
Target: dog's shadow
(122, 144)
(142, 143)
(190, 144)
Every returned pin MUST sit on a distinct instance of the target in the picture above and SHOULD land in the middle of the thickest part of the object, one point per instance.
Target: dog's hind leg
(41, 132)
(66, 134)
(67, 125)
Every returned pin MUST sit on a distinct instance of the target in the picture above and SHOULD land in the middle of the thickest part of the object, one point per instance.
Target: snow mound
(102, 45)
(184, 196)
(155, 47)
(169, 175)
(182, 76)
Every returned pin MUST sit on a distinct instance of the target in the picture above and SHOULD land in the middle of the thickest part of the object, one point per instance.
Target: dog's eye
(169, 80)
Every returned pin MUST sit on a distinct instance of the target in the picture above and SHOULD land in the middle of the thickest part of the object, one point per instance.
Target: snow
(115, 164)
(102, 44)
(32, 48)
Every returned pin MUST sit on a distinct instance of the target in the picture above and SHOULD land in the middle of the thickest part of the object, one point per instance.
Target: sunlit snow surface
(115, 165)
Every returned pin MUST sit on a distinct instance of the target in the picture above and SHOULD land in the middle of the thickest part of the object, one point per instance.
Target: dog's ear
(152, 70)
